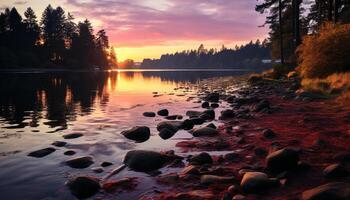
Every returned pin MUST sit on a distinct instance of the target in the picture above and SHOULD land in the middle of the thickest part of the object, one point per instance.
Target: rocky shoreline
(274, 142)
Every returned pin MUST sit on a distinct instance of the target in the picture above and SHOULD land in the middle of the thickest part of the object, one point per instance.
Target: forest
(250, 54)
(55, 41)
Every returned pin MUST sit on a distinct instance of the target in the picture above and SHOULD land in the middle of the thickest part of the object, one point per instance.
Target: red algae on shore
(318, 130)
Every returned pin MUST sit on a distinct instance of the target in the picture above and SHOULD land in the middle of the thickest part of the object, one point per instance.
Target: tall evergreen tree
(32, 29)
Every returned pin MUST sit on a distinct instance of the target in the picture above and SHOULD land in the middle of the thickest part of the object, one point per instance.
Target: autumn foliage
(326, 52)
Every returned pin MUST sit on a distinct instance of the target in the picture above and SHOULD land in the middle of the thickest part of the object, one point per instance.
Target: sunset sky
(148, 28)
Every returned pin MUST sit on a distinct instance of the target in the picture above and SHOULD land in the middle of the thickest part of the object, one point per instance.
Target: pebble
(42, 152)
(83, 187)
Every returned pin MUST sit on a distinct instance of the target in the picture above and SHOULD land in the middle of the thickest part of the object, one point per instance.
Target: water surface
(36, 109)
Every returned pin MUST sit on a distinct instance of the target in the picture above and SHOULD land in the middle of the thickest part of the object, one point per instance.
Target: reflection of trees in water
(60, 97)
(190, 76)
(24, 97)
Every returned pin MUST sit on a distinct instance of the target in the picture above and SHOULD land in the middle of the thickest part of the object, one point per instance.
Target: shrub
(325, 53)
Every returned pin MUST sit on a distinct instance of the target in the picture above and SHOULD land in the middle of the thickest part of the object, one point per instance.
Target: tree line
(290, 20)
(54, 41)
(248, 55)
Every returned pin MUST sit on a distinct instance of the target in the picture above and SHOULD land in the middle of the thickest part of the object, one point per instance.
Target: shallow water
(36, 109)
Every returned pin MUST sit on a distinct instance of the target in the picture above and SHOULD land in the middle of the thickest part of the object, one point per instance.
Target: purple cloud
(154, 22)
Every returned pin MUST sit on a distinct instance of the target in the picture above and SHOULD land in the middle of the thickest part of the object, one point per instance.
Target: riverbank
(295, 141)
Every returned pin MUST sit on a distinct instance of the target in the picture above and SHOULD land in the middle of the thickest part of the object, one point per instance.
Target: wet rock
(201, 159)
(204, 132)
(211, 125)
(212, 97)
(80, 162)
(72, 135)
(227, 114)
(197, 120)
(268, 133)
(205, 104)
(187, 124)
(192, 113)
(59, 144)
(149, 114)
(97, 170)
(69, 153)
(330, 191)
(263, 104)
(255, 182)
(147, 161)
(106, 164)
(166, 133)
(207, 115)
(138, 133)
(172, 126)
(282, 160)
(83, 187)
(211, 179)
(163, 112)
(214, 105)
(335, 171)
(42, 152)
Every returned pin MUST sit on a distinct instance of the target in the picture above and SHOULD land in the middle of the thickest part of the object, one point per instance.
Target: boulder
(166, 133)
(149, 114)
(163, 112)
(138, 133)
(205, 132)
(255, 182)
(72, 135)
(211, 179)
(147, 161)
(200, 159)
(330, 191)
(282, 160)
(335, 171)
(227, 114)
(80, 162)
(83, 187)
(42, 152)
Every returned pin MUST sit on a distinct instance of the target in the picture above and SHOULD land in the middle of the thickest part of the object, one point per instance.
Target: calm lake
(36, 109)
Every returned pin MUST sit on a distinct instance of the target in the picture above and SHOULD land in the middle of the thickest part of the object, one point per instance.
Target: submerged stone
(205, 132)
(42, 152)
(72, 135)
